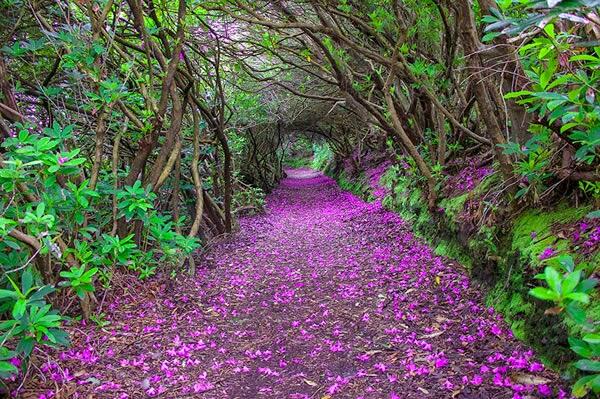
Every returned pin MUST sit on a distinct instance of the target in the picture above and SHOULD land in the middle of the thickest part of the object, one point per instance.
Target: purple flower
(441, 362)
(337, 347)
(544, 390)
(477, 379)
(202, 386)
(62, 160)
(546, 253)
(536, 367)
(496, 330)
(380, 366)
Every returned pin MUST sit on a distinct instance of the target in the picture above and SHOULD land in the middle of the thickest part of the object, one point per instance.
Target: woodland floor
(322, 296)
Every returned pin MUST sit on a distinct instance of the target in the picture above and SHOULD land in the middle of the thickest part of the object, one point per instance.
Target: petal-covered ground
(323, 296)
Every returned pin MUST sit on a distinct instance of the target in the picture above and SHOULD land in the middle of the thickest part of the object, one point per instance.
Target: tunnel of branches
(157, 88)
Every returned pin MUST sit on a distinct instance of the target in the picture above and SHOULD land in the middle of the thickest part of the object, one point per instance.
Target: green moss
(512, 304)
(453, 206)
(518, 329)
(540, 223)
(487, 183)
(451, 249)
(356, 186)
(511, 300)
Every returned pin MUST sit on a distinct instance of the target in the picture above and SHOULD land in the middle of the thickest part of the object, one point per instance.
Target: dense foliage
(135, 132)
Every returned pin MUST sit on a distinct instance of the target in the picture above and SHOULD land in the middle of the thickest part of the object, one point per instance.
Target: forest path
(322, 296)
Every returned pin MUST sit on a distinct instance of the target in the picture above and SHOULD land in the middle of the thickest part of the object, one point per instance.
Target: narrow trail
(323, 296)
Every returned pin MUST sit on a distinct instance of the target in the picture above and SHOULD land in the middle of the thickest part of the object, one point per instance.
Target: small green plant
(250, 197)
(569, 287)
(100, 319)
(118, 250)
(590, 188)
(79, 279)
(563, 76)
(135, 201)
(533, 162)
(31, 321)
(53, 225)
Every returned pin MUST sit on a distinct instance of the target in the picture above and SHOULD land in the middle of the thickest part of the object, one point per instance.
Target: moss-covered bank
(502, 261)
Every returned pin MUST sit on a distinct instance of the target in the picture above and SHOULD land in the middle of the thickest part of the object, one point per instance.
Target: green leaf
(581, 387)
(79, 218)
(42, 292)
(569, 283)
(75, 162)
(587, 285)
(553, 105)
(67, 274)
(88, 275)
(548, 74)
(27, 278)
(19, 308)
(587, 365)
(550, 96)
(15, 286)
(559, 81)
(8, 368)
(580, 347)
(552, 279)
(592, 338)
(576, 313)
(517, 94)
(41, 208)
(549, 29)
(61, 336)
(8, 294)
(26, 345)
(584, 57)
(543, 293)
(579, 297)
(596, 384)
(567, 262)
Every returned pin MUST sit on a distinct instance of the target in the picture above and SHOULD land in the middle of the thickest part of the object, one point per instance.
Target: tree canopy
(135, 132)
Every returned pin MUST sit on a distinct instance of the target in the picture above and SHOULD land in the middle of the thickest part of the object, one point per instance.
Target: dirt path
(323, 296)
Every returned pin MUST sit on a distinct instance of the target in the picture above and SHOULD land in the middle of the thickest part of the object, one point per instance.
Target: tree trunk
(227, 177)
(196, 176)
(471, 45)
